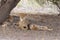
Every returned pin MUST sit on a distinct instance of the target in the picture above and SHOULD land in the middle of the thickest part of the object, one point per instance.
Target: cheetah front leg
(38, 27)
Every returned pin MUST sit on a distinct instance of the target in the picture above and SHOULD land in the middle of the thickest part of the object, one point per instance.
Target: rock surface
(35, 7)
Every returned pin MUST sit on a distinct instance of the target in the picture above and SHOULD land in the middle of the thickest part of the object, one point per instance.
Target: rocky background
(9, 30)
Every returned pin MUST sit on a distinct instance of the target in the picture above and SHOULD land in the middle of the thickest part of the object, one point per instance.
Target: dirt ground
(11, 32)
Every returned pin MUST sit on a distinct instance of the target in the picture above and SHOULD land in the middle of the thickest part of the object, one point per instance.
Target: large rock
(43, 7)
(6, 8)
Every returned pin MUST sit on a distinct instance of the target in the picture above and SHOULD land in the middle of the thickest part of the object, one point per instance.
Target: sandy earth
(11, 32)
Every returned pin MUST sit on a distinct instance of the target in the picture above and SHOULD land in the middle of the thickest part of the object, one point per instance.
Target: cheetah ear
(22, 15)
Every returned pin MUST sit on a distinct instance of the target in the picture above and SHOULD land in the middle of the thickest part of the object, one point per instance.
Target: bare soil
(10, 31)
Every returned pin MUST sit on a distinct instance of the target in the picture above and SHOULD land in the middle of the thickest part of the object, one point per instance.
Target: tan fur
(38, 27)
(23, 25)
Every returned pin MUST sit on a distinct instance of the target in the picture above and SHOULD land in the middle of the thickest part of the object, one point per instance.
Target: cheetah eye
(24, 26)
